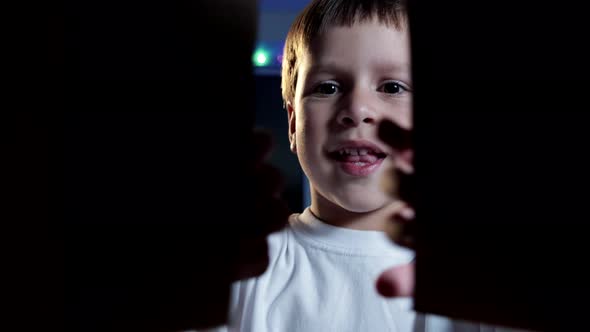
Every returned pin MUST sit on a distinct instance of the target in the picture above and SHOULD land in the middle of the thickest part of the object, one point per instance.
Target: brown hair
(319, 15)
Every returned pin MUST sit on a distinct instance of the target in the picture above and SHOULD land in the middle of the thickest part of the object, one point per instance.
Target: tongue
(368, 158)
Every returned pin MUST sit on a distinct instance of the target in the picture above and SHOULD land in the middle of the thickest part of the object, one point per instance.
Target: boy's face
(348, 80)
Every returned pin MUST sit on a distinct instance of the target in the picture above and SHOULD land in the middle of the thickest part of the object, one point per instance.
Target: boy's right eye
(326, 88)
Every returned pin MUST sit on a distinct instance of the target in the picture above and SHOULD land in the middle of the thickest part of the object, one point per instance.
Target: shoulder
(278, 239)
(280, 262)
(278, 242)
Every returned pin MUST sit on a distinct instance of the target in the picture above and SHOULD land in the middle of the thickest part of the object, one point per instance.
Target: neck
(335, 215)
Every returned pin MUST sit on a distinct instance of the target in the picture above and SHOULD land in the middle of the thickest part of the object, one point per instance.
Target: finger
(400, 140)
(406, 188)
(399, 184)
(395, 136)
(401, 228)
(390, 182)
(397, 281)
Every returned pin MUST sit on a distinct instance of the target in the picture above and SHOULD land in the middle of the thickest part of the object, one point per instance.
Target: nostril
(347, 121)
(368, 120)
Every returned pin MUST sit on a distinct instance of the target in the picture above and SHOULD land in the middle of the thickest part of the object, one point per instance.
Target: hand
(399, 281)
(271, 212)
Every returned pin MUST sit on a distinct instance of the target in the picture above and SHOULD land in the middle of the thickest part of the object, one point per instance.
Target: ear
(291, 115)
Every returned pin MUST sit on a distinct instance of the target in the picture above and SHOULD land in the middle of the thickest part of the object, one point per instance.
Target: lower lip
(359, 169)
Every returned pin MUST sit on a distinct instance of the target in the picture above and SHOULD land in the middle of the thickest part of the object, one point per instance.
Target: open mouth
(361, 155)
(358, 160)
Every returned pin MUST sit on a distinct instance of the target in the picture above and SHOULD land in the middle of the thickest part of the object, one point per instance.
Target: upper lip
(357, 144)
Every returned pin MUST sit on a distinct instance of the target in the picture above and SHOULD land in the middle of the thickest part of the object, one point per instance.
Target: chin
(364, 205)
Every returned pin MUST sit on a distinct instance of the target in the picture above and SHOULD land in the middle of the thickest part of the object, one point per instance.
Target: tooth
(354, 152)
(363, 152)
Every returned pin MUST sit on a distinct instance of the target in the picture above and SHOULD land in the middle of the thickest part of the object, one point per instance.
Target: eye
(393, 87)
(326, 88)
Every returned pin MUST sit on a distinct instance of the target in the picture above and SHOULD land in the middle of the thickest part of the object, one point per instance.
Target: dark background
(501, 139)
(275, 18)
(271, 116)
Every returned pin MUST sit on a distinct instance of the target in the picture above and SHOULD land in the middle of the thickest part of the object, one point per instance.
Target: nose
(358, 108)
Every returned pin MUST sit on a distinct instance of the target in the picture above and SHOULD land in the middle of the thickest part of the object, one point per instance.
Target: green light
(261, 58)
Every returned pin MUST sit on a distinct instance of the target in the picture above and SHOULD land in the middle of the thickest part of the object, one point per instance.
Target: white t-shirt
(322, 278)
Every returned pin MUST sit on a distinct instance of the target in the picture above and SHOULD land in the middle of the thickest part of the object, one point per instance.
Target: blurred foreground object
(501, 116)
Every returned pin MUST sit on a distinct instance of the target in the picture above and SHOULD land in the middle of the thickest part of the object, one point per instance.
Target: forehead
(362, 43)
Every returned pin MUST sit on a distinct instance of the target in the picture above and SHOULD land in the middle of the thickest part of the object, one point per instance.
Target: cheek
(312, 136)
(312, 126)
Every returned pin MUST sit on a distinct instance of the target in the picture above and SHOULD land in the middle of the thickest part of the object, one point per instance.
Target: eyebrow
(392, 67)
(382, 67)
(326, 67)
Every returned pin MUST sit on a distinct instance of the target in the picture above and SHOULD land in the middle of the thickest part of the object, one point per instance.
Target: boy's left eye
(393, 87)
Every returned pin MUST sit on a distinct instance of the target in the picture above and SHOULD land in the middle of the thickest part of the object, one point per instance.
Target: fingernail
(385, 288)
(408, 213)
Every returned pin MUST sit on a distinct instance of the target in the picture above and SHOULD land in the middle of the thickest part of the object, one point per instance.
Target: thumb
(397, 281)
